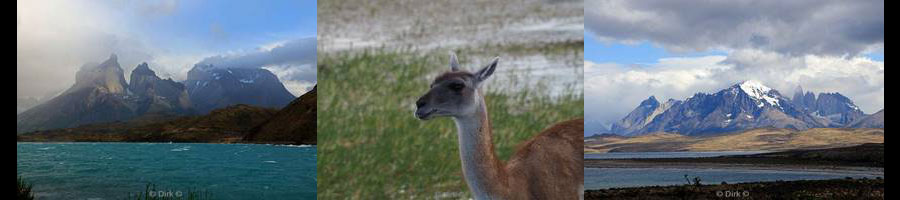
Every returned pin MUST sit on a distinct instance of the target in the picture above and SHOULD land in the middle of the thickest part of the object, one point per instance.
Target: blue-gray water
(115, 170)
(601, 178)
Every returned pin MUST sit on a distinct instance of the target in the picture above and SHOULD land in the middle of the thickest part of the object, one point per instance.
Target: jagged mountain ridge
(101, 94)
(836, 108)
(642, 115)
(742, 106)
(158, 95)
(98, 95)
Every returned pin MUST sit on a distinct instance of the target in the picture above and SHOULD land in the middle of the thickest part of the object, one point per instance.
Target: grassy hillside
(295, 124)
(768, 139)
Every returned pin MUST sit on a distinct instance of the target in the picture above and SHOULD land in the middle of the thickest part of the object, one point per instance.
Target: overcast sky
(673, 49)
(54, 38)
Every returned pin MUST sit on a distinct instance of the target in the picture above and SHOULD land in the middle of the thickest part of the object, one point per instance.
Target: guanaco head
(454, 93)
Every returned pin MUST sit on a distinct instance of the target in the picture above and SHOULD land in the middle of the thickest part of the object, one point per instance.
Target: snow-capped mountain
(211, 87)
(745, 105)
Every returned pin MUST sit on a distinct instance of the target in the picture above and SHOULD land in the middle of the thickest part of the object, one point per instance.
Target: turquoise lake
(117, 170)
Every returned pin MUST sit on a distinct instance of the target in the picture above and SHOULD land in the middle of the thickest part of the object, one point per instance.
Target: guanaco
(547, 166)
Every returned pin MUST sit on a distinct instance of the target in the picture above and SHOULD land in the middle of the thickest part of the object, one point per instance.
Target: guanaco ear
(454, 63)
(487, 71)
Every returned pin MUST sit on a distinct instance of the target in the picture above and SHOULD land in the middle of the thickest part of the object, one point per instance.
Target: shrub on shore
(23, 190)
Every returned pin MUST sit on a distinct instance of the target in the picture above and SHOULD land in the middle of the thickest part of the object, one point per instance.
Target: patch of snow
(852, 106)
(728, 115)
(247, 81)
(749, 117)
(758, 91)
(201, 84)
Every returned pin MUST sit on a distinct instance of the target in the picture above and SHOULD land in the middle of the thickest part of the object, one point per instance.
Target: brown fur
(548, 166)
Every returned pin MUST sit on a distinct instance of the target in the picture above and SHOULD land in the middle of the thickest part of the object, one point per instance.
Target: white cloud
(55, 38)
(797, 27)
(298, 79)
(613, 90)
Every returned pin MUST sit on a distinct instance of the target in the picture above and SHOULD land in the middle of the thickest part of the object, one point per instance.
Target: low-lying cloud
(294, 52)
(52, 44)
(294, 62)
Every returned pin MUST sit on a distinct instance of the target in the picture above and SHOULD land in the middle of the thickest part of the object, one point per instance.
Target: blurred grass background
(371, 147)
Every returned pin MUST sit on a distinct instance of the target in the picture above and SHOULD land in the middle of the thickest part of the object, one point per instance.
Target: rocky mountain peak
(107, 77)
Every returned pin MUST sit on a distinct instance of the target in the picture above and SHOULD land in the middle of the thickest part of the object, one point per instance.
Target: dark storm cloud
(295, 52)
(796, 27)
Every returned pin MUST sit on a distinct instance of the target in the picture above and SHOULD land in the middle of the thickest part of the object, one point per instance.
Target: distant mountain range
(295, 124)
(101, 95)
(743, 106)
(211, 87)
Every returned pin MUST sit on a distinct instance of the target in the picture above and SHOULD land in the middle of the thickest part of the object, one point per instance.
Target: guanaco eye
(457, 86)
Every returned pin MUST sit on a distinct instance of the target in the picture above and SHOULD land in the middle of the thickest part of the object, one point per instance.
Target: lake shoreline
(862, 156)
(121, 138)
(152, 142)
(802, 189)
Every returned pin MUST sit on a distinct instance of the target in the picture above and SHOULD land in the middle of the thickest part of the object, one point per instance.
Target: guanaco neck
(483, 171)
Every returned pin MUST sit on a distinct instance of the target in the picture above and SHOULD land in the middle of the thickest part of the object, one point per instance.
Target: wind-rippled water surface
(116, 170)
